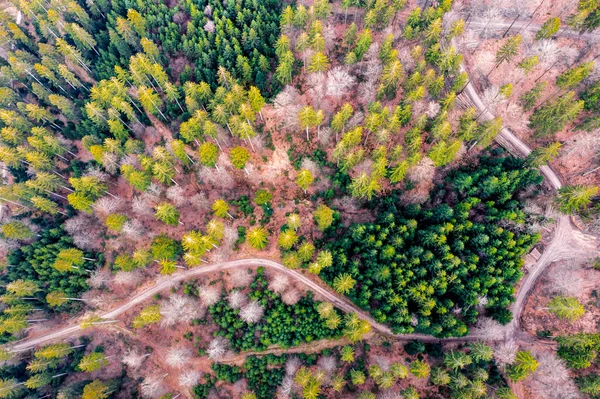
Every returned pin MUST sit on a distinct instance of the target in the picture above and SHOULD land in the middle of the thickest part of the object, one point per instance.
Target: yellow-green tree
(92, 362)
(95, 390)
(167, 213)
(304, 179)
(148, 315)
(323, 215)
(258, 237)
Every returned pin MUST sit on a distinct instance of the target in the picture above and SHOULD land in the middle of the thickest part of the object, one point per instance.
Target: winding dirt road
(164, 284)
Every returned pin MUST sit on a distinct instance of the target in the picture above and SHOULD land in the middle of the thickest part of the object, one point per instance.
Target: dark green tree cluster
(36, 262)
(283, 325)
(467, 375)
(427, 268)
(237, 35)
(580, 350)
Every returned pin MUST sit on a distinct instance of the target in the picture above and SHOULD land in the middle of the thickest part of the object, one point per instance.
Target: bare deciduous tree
(110, 161)
(252, 312)
(99, 278)
(492, 98)
(566, 280)
(175, 194)
(433, 108)
(178, 357)
(142, 205)
(217, 348)
(505, 353)
(241, 277)
(153, 387)
(179, 309)
(291, 297)
(132, 229)
(551, 380)
(200, 202)
(97, 173)
(285, 389)
(339, 82)
(489, 329)
(134, 359)
(327, 363)
(389, 394)
(83, 231)
(217, 177)
(292, 365)
(209, 294)
(287, 104)
(128, 279)
(279, 283)
(190, 378)
(107, 205)
(423, 171)
(237, 299)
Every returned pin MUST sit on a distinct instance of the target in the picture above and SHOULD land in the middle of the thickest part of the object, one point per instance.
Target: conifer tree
(258, 237)
(92, 362)
(572, 199)
(304, 179)
(167, 213)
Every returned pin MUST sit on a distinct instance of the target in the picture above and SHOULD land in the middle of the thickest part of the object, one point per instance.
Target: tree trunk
(511, 25)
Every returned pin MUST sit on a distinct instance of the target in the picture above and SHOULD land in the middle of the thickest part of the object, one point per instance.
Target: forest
(432, 268)
(319, 199)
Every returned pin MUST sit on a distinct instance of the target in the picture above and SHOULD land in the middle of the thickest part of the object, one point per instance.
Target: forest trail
(163, 284)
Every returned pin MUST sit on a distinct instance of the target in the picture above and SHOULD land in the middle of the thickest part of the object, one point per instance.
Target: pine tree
(167, 213)
(524, 365)
(53, 351)
(92, 362)
(307, 117)
(95, 390)
(45, 205)
(573, 199)
(36, 381)
(9, 388)
(116, 221)
(17, 231)
(22, 288)
(566, 308)
(304, 179)
(420, 368)
(287, 239)
(148, 315)
(343, 283)
(208, 154)
(323, 216)
(556, 114)
(571, 78)
(239, 156)
(306, 250)
(549, 28)
(221, 208)
(347, 354)
(542, 155)
(318, 62)
(258, 237)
